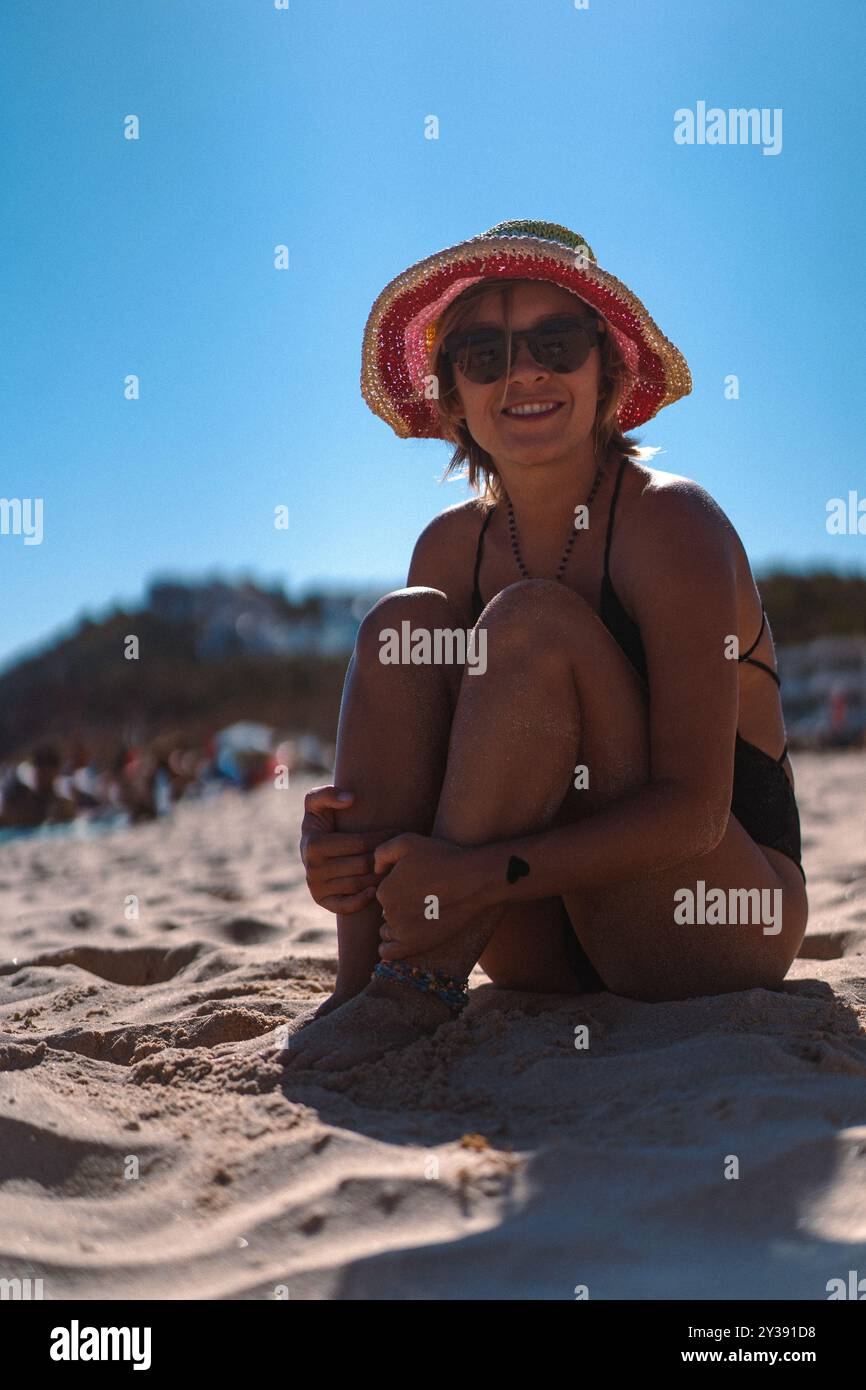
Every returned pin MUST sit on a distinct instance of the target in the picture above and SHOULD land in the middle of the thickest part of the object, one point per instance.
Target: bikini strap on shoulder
(476, 592)
(612, 514)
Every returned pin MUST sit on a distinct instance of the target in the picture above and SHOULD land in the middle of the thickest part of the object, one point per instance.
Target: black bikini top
(626, 631)
(617, 621)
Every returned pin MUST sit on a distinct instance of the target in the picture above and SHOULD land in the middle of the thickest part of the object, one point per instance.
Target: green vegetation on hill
(819, 604)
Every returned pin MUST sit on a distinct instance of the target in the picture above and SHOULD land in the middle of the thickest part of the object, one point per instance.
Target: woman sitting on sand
(620, 752)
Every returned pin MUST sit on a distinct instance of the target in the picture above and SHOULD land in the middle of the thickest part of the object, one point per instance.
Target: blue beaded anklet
(451, 989)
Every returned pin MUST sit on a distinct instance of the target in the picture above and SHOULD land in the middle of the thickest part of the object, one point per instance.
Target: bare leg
(508, 772)
(514, 746)
(392, 744)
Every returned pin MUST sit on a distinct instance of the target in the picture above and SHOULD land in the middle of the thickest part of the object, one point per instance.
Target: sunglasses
(559, 345)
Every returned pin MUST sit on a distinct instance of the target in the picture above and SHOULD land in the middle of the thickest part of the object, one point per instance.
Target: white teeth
(540, 409)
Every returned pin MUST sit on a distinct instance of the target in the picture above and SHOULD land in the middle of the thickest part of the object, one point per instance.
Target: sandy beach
(151, 1148)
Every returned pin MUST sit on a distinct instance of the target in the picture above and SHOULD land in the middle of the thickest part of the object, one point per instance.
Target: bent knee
(420, 606)
(534, 614)
(533, 595)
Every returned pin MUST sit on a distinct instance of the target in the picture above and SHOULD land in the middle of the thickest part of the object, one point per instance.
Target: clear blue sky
(306, 127)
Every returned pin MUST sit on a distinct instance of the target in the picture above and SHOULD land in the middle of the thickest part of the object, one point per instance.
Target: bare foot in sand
(333, 1001)
(383, 1016)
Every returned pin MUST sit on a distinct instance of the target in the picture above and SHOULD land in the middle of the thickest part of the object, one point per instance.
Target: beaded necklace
(515, 545)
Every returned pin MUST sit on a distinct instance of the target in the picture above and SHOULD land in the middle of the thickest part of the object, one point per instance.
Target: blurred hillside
(209, 655)
(802, 607)
(214, 653)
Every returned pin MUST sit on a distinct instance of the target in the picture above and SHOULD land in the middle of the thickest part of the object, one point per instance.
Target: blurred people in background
(141, 783)
(28, 797)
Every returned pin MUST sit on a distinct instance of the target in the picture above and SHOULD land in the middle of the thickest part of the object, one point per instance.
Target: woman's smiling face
(537, 438)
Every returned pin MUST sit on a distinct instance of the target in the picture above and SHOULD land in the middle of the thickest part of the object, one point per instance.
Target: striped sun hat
(402, 322)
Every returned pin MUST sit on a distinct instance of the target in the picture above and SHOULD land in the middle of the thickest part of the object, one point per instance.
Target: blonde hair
(469, 458)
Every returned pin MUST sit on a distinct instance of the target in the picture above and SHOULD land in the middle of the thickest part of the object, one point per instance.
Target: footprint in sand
(137, 965)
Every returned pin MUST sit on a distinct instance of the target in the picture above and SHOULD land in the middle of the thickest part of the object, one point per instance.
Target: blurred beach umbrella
(244, 752)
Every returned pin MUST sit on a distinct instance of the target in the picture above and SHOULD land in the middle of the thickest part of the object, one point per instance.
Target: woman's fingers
(347, 883)
(327, 885)
(320, 845)
(332, 860)
(347, 903)
(341, 875)
(341, 890)
(349, 867)
(327, 798)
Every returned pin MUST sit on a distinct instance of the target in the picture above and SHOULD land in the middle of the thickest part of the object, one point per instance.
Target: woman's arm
(676, 565)
(653, 828)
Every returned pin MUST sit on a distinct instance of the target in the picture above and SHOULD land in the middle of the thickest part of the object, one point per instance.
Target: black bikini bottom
(763, 802)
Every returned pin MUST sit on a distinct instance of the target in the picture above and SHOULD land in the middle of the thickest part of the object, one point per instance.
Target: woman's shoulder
(681, 553)
(456, 524)
(444, 552)
(673, 538)
(669, 507)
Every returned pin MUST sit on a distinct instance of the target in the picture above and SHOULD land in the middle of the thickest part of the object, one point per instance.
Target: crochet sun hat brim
(402, 323)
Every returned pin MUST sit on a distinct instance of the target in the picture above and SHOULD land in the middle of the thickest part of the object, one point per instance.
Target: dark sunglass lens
(482, 359)
(563, 349)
